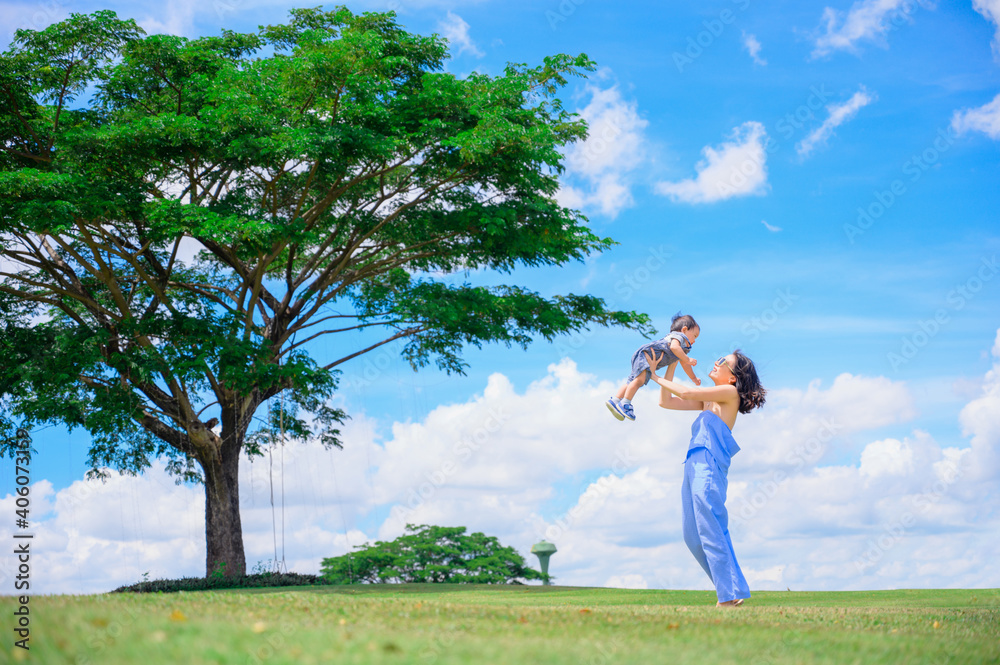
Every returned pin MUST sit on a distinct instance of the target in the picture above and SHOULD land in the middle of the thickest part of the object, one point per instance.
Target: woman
(706, 522)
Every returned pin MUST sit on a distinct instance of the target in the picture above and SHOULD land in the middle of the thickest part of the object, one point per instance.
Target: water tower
(543, 551)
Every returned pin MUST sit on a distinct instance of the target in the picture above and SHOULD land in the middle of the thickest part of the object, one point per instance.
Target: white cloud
(980, 421)
(887, 457)
(770, 227)
(815, 502)
(991, 10)
(839, 114)
(100, 535)
(456, 31)
(799, 425)
(188, 250)
(177, 18)
(767, 578)
(597, 175)
(753, 48)
(985, 119)
(736, 168)
(865, 20)
(626, 582)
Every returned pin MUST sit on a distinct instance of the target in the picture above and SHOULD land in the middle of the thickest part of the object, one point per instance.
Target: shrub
(221, 582)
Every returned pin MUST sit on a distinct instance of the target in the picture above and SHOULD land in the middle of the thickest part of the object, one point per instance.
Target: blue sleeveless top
(711, 432)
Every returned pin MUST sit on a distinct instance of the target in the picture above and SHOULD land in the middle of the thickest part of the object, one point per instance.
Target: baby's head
(685, 323)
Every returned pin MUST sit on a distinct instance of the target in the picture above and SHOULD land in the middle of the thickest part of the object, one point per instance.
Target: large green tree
(325, 170)
(431, 554)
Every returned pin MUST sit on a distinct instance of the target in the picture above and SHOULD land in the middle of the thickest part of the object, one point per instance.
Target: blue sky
(815, 182)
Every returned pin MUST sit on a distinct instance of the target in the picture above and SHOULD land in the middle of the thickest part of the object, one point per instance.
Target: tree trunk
(223, 529)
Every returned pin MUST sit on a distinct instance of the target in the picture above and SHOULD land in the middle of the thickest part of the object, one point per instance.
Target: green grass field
(479, 624)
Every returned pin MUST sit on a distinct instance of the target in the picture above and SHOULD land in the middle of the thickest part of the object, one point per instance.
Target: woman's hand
(653, 360)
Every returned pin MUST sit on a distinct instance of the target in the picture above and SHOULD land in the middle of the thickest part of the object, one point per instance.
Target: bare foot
(730, 603)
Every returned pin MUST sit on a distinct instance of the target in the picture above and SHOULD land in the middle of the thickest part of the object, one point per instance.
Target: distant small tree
(431, 554)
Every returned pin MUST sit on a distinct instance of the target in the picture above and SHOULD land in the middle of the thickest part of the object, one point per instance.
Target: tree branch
(402, 333)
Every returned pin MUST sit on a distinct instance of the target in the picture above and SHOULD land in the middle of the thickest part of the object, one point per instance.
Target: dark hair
(681, 321)
(747, 384)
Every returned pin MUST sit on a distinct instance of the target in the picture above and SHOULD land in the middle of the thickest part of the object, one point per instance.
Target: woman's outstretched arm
(676, 396)
(667, 399)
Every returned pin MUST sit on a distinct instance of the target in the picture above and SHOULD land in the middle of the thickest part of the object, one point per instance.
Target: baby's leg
(629, 391)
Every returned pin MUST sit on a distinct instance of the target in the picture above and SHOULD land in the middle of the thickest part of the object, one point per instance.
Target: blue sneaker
(615, 408)
(627, 410)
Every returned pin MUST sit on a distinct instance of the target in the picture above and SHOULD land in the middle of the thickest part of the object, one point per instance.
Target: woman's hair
(747, 384)
(681, 321)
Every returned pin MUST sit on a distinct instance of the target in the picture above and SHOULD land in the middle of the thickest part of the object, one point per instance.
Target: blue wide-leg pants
(706, 525)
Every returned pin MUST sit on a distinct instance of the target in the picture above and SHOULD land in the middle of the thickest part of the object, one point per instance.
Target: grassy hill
(517, 624)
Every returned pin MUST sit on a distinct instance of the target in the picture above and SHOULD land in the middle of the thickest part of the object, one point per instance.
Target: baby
(674, 347)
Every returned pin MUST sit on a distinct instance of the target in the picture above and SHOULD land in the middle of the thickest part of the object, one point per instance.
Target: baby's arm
(685, 361)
